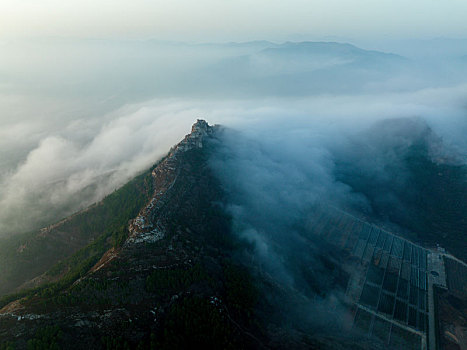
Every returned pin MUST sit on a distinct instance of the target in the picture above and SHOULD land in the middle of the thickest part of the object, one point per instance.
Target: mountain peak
(200, 124)
(199, 131)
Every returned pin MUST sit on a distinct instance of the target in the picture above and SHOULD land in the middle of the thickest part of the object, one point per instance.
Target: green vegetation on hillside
(115, 343)
(164, 281)
(45, 339)
(196, 323)
(7, 346)
(105, 223)
(241, 294)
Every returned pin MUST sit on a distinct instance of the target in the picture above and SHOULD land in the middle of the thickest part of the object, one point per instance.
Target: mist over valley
(257, 194)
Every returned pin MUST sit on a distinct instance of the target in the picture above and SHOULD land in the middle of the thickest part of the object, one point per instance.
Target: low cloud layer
(64, 173)
(349, 152)
(86, 159)
(74, 131)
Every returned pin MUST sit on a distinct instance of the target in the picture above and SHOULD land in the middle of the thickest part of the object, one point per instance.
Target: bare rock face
(148, 226)
(199, 131)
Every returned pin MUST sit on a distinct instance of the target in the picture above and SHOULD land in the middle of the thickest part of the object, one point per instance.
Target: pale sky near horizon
(210, 20)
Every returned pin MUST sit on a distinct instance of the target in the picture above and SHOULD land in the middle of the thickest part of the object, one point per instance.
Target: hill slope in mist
(168, 282)
(177, 276)
(27, 255)
(191, 254)
(411, 180)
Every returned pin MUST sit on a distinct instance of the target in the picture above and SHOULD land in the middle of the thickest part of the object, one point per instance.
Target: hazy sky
(207, 20)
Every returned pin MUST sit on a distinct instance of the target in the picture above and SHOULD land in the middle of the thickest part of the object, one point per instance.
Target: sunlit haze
(223, 20)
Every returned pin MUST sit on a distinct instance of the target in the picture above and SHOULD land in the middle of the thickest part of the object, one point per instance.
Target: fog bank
(81, 118)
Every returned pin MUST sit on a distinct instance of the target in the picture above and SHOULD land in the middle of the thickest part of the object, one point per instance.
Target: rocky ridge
(172, 261)
(148, 226)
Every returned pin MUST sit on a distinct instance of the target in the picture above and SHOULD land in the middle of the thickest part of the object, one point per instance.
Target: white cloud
(123, 143)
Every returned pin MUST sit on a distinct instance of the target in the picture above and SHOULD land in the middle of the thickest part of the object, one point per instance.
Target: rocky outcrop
(199, 131)
(148, 226)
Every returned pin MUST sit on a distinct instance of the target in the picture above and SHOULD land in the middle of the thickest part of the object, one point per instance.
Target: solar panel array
(392, 298)
(395, 287)
(456, 276)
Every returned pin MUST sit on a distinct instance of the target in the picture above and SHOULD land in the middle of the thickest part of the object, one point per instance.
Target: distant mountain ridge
(327, 48)
(300, 69)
